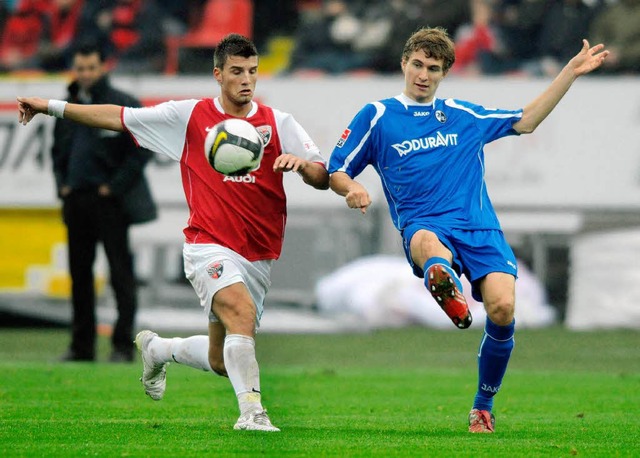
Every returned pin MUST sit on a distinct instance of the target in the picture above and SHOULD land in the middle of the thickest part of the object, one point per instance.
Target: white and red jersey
(246, 214)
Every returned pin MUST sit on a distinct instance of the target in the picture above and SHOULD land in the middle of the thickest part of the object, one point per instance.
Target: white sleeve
(161, 128)
(295, 140)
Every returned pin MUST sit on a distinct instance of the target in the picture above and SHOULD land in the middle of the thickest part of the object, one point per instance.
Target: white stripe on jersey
(451, 103)
(380, 109)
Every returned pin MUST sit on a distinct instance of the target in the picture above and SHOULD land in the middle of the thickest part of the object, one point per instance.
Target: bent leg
(440, 279)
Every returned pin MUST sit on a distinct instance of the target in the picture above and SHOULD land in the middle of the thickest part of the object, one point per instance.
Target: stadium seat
(219, 18)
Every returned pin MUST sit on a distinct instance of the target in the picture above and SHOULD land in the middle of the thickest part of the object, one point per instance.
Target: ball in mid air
(234, 147)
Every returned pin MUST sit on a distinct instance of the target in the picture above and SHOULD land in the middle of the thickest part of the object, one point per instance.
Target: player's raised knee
(217, 366)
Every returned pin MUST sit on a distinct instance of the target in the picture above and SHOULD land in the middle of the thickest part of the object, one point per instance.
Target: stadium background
(568, 195)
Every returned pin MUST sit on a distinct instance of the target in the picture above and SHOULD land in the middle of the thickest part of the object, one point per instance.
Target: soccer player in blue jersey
(429, 155)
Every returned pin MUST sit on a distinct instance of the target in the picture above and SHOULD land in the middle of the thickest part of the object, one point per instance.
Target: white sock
(192, 351)
(242, 368)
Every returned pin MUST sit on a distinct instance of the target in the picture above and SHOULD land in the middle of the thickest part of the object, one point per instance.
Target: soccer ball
(234, 147)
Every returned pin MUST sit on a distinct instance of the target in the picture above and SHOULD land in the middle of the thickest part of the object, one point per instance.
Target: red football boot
(444, 290)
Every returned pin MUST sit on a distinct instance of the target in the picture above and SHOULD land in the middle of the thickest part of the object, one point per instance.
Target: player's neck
(233, 109)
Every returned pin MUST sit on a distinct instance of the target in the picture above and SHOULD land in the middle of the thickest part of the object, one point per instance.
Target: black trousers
(91, 219)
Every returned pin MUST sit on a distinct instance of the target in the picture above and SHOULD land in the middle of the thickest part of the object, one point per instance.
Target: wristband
(56, 108)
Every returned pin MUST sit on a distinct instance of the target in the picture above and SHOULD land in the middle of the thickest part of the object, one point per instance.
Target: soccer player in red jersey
(235, 227)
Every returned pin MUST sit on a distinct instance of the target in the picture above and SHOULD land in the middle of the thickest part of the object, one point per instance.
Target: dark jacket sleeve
(60, 152)
(133, 158)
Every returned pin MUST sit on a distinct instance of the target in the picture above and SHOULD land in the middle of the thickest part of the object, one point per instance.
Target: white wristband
(56, 108)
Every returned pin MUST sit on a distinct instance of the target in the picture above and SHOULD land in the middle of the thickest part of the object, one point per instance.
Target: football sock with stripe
(447, 266)
(493, 357)
(242, 368)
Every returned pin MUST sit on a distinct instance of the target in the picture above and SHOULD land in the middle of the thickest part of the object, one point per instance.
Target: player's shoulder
(458, 104)
(378, 107)
(477, 110)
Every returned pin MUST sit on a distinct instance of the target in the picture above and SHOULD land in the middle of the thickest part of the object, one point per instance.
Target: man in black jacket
(99, 177)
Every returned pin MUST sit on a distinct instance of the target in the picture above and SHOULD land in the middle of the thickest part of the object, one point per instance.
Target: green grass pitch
(397, 393)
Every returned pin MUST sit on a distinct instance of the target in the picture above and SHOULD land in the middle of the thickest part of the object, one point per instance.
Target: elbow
(323, 186)
(323, 183)
(524, 128)
(318, 180)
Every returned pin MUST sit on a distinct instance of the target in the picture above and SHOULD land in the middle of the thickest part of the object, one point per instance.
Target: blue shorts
(476, 253)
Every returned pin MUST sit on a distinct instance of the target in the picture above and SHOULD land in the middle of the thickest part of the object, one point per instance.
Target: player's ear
(217, 74)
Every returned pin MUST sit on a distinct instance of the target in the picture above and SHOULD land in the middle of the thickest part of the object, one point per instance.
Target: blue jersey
(429, 157)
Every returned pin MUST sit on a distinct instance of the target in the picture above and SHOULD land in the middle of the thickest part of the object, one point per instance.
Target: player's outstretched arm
(102, 116)
(587, 60)
(312, 173)
(354, 193)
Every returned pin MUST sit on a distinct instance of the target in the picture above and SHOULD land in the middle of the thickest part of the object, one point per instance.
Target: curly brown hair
(435, 42)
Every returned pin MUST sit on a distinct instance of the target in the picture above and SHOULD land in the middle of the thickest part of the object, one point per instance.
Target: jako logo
(420, 113)
(419, 144)
(489, 388)
(241, 179)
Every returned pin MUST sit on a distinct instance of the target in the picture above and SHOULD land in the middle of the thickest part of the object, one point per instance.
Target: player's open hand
(588, 59)
(28, 107)
(289, 163)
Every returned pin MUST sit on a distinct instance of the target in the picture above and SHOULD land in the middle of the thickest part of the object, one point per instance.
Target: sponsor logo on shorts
(215, 269)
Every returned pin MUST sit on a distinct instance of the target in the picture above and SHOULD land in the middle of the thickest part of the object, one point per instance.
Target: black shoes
(72, 356)
(117, 356)
(121, 356)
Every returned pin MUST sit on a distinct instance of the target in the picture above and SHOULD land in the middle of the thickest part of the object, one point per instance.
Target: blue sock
(447, 265)
(493, 357)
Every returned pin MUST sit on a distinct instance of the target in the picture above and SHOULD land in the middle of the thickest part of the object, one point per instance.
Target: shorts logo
(215, 269)
(343, 138)
(440, 116)
(265, 133)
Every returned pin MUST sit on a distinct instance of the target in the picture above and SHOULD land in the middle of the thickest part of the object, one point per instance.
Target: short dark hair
(435, 42)
(233, 45)
(87, 48)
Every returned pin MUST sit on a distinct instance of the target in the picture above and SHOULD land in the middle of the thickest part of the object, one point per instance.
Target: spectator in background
(619, 24)
(563, 25)
(324, 40)
(131, 32)
(22, 35)
(518, 24)
(4, 15)
(56, 51)
(179, 16)
(475, 38)
(99, 177)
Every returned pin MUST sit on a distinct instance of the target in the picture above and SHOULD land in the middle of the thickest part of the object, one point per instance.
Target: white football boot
(154, 375)
(255, 421)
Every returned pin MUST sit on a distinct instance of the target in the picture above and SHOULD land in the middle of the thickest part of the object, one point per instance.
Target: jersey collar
(218, 105)
(407, 102)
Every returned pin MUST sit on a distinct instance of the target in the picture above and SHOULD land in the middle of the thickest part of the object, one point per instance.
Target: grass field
(389, 393)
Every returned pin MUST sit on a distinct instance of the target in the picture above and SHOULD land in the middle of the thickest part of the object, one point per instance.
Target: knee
(217, 366)
(501, 310)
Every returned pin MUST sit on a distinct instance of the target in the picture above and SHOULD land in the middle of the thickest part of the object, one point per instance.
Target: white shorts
(211, 267)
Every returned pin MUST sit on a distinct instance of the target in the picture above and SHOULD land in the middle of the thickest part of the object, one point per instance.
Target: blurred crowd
(493, 37)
